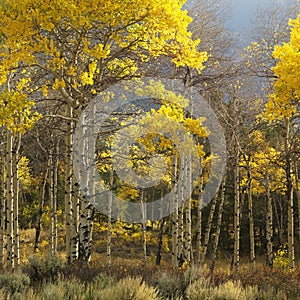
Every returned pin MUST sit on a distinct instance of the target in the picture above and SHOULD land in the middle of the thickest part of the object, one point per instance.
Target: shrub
(65, 289)
(168, 285)
(102, 281)
(228, 291)
(271, 294)
(199, 290)
(43, 269)
(129, 288)
(281, 259)
(51, 291)
(286, 281)
(14, 283)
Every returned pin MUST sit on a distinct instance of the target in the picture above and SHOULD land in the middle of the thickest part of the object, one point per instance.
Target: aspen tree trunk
(55, 193)
(250, 214)
(71, 195)
(10, 203)
(181, 230)
(208, 228)
(144, 232)
(41, 209)
(87, 211)
(68, 186)
(199, 217)
(180, 233)
(188, 216)
(2, 210)
(218, 229)
(297, 194)
(160, 241)
(75, 222)
(269, 227)
(108, 246)
(279, 223)
(51, 196)
(53, 181)
(289, 194)
(236, 251)
(174, 218)
(86, 229)
(188, 232)
(16, 199)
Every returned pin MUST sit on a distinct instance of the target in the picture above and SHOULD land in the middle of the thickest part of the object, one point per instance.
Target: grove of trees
(58, 57)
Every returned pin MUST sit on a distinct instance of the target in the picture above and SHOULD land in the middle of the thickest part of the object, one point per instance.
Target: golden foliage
(285, 98)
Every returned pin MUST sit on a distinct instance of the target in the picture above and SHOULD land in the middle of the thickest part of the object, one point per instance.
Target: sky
(243, 10)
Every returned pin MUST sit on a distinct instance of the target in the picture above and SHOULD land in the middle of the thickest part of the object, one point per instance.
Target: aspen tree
(10, 203)
(250, 212)
(282, 107)
(199, 214)
(208, 229)
(2, 207)
(16, 187)
(108, 245)
(218, 229)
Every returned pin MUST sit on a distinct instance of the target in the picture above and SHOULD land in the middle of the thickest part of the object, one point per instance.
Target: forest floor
(48, 277)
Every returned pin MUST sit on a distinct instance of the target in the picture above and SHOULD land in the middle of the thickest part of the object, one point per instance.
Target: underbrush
(49, 278)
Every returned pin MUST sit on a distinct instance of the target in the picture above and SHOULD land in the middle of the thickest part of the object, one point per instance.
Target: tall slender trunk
(53, 182)
(160, 241)
(188, 216)
(269, 227)
(174, 217)
(71, 194)
(144, 230)
(51, 196)
(10, 202)
(279, 223)
(237, 209)
(208, 228)
(250, 213)
(218, 229)
(297, 192)
(16, 199)
(108, 246)
(289, 195)
(199, 217)
(41, 209)
(87, 209)
(180, 233)
(2, 210)
(75, 222)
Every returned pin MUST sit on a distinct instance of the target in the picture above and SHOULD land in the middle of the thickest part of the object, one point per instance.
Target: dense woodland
(58, 56)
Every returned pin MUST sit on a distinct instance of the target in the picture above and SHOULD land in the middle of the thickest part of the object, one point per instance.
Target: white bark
(218, 229)
(199, 217)
(297, 192)
(144, 232)
(188, 216)
(68, 187)
(16, 200)
(289, 194)
(2, 211)
(208, 228)
(10, 203)
(108, 246)
(174, 216)
(237, 209)
(250, 214)
(269, 227)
